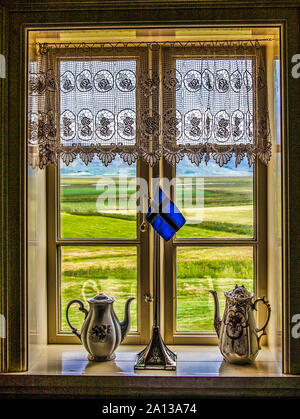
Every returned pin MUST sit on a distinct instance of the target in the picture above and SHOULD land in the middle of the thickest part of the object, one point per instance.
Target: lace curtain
(148, 100)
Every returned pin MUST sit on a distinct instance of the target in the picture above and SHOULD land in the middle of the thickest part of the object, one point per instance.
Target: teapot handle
(262, 329)
(81, 308)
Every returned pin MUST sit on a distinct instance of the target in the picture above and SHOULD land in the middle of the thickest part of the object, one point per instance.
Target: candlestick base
(156, 355)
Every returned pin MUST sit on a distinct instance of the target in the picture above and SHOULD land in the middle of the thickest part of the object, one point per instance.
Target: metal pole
(156, 355)
(156, 279)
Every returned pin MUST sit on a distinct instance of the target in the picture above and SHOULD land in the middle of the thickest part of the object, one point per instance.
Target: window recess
(119, 110)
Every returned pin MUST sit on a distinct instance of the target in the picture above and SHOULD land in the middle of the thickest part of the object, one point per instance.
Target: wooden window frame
(144, 245)
(258, 243)
(55, 242)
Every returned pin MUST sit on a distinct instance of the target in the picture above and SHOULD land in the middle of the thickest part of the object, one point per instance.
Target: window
(221, 244)
(95, 243)
(92, 249)
(223, 240)
(94, 240)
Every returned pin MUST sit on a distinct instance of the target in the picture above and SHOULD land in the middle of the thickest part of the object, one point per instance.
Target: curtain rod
(46, 45)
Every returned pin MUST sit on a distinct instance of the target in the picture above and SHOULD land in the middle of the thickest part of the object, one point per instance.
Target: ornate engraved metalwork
(156, 355)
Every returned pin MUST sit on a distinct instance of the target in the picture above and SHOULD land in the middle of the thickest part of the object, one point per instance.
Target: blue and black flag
(164, 216)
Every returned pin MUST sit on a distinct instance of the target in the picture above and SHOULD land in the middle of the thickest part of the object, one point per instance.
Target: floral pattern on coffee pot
(101, 332)
(239, 341)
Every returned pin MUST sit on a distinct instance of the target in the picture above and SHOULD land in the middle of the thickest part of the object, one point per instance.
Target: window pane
(202, 269)
(87, 271)
(98, 201)
(216, 202)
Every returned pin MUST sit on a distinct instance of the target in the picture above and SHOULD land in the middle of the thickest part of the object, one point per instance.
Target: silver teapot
(239, 342)
(101, 332)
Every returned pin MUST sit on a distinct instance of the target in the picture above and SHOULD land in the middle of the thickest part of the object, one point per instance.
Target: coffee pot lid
(100, 299)
(239, 293)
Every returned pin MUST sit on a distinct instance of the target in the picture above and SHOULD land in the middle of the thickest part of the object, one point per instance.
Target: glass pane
(216, 201)
(87, 271)
(202, 269)
(98, 201)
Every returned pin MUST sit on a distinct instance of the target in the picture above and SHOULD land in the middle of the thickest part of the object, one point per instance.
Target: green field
(226, 212)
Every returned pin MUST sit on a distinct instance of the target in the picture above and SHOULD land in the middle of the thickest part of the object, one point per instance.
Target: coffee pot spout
(125, 324)
(217, 319)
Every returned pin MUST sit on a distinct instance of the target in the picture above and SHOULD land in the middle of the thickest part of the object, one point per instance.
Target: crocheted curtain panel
(147, 101)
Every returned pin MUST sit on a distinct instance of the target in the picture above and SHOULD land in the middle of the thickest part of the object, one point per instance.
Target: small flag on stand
(164, 216)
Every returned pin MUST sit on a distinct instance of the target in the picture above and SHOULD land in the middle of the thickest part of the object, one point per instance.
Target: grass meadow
(225, 212)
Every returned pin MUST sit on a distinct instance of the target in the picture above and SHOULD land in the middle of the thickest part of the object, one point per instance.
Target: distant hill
(185, 168)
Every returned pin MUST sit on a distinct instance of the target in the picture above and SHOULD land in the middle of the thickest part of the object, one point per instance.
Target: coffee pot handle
(81, 308)
(262, 329)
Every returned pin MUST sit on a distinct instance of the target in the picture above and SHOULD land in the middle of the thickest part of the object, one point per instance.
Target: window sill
(201, 372)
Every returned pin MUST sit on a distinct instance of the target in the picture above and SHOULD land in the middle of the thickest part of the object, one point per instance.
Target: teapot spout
(125, 324)
(217, 319)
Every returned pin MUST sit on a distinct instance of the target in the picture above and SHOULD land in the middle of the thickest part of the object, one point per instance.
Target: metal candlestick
(156, 355)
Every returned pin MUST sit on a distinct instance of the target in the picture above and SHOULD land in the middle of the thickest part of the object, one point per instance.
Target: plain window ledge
(201, 371)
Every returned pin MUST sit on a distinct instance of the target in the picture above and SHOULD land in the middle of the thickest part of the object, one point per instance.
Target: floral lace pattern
(212, 104)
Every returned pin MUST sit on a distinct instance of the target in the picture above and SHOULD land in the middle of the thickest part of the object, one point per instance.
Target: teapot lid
(239, 293)
(100, 299)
